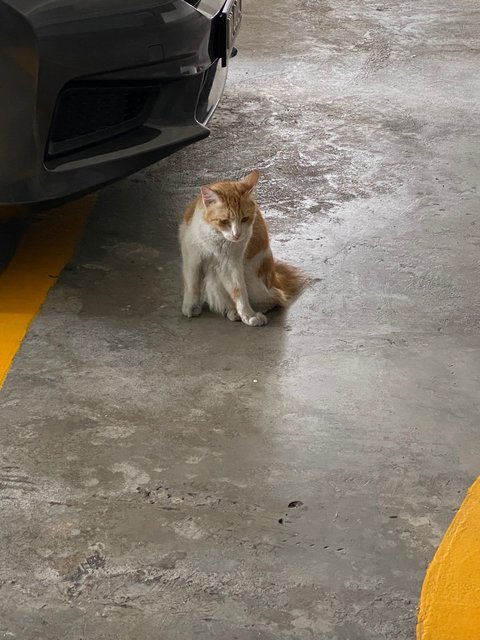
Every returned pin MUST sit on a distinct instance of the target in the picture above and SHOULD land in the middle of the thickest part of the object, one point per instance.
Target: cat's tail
(289, 282)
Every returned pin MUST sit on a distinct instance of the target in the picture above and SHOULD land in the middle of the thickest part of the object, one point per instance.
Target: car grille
(86, 115)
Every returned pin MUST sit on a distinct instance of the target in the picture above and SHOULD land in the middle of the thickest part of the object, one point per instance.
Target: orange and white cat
(227, 260)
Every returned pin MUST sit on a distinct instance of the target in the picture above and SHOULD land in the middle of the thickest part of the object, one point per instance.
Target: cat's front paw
(258, 320)
(233, 315)
(191, 310)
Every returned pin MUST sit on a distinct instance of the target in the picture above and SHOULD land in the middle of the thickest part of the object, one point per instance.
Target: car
(94, 90)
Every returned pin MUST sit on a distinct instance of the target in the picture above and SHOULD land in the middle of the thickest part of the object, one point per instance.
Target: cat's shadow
(122, 294)
(129, 259)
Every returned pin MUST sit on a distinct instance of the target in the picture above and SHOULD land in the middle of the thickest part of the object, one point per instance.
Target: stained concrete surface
(147, 461)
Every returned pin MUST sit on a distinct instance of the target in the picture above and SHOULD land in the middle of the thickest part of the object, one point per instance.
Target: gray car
(93, 90)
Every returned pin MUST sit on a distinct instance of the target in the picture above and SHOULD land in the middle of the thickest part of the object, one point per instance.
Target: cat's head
(230, 208)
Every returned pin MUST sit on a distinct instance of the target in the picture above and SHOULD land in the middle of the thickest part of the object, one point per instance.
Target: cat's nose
(236, 235)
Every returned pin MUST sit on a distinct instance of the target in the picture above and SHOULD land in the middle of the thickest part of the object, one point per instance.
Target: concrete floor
(147, 462)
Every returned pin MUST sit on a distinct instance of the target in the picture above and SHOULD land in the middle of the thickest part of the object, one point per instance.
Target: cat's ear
(209, 196)
(251, 180)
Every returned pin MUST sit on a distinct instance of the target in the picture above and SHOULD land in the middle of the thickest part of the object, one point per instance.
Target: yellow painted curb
(42, 253)
(450, 599)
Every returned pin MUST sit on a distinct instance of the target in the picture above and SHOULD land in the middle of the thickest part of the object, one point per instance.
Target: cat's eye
(245, 219)
(224, 222)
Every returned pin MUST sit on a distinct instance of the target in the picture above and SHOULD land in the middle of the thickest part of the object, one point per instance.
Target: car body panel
(60, 59)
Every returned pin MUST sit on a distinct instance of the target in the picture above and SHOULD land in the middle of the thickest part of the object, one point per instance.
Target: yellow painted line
(450, 599)
(44, 249)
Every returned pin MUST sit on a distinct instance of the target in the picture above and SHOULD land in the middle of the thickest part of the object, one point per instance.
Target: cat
(227, 260)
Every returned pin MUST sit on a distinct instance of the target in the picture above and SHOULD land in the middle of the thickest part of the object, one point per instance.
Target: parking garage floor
(200, 479)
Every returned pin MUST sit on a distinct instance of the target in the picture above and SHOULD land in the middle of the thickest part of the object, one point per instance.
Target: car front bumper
(93, 90)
